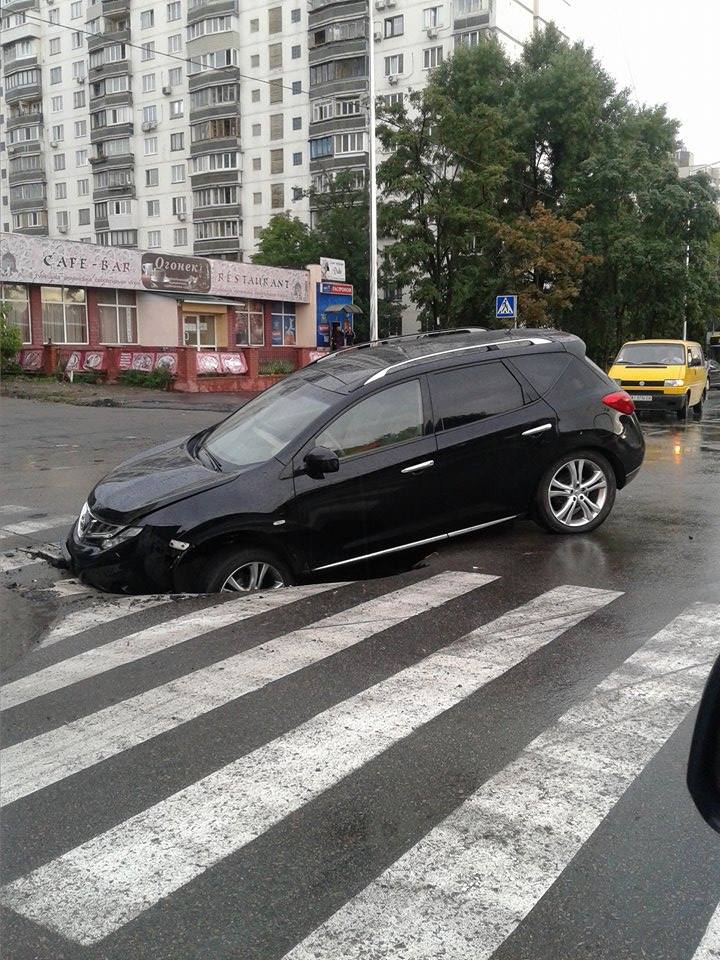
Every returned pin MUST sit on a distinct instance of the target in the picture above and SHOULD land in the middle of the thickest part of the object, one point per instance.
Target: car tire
(698, 408)
(236, 569)
(684, 408)
(576, 493)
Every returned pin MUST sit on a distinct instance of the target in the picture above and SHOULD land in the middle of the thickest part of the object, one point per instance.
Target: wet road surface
(480, 757)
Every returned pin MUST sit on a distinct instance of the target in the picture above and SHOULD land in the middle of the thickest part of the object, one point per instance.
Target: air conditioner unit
(62, 228)
(378, 34)
(54, 144)
(394, 79)
(432, 32)
(379, 4)
(80, 80)
(182, 217)
(390, 3)
(167, 90)
(148, 125)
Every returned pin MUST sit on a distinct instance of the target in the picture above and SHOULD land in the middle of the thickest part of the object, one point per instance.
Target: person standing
(348, 333)
(337, 341)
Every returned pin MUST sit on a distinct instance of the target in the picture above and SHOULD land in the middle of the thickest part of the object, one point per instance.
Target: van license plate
(641, 396)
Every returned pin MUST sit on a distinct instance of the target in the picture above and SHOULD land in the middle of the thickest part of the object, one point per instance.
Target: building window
(177, 109)
(180, 237)
(117, 238)
(154, 239)
(217, 229)
(175, 43)
(275, 59)
(255, 96)
(59, 161)
(394, 65)
(178, 206)
(153, 208)
(64, 314)
(14, 297)
(118, 316)
(432, 56)
(56, 75)
(177, 173)
(296, 86)
(148, 82)
(80, 128)
(256, 129)
(297, 123)
(277, 196)
(54, 46)
(347, 107)
(322, 110)
(283, 324)
(62, 220)
(174, 11)
(54, 16)
(345, 69)
(257, 199)
(175, 76)
(431, 17)
(250, 326)
(81, 158)
(177, 141)
(79, 99)
(394, 26)
(295, 15)
(151, 146)
(255, 61)
(254, 26)
(276, 91)
(83, 188)
(78, 69)
(257, 233)
(149, 114)
(77, 39)
(148, 51)
(296, 52)
(277, 161)
(321, 147)
(199, 330)
(275, 20)
(56, 104)
(152, 178)
(84, 217)
(58, 132)
(60, 191)
(147, 19)
(276, 126)
(76, 10)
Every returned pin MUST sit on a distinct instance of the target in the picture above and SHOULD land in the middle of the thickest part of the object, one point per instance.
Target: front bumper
(666, 402)
(144, 564)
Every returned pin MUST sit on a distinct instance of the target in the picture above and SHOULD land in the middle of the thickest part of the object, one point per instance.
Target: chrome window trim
(534, 341)
(417, 543)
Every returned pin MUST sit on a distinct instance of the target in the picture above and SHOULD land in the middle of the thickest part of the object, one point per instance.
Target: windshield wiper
(645, 363)
(204, 455)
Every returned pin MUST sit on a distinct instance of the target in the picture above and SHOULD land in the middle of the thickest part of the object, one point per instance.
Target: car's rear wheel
(698, 408)
(576, 493)
(239, 569)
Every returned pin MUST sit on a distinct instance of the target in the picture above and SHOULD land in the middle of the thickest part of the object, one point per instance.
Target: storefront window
(283, 324)
(118, 316)
(14, 297)
(250, 328)
(199, 330)
(64, 314)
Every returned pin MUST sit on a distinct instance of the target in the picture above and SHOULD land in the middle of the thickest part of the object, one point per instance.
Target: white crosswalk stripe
(470, 881)
(49, 757)
(16, 561)
(145, 643)
(28, 527)
(99, 886)
(103, 611)
(709, 946)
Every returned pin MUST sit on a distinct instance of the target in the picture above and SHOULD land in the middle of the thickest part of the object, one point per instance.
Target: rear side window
(389, 417)
(543, 370)
(469, 394)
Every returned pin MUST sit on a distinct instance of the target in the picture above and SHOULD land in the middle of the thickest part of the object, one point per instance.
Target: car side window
(543, 370)
(389, 417)
(691, 356)
(468, 394)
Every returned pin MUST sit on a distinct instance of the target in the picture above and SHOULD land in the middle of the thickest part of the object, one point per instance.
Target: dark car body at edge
(484, 464)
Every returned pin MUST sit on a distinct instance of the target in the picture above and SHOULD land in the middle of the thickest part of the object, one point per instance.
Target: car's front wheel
(238, 569)
(576, 493)
(698, 408)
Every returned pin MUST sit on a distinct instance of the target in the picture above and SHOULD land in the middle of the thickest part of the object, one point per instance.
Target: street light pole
(687, 280)
(373, 178)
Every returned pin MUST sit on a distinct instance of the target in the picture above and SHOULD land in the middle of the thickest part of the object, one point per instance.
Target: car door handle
(534, 430)
(417, 467)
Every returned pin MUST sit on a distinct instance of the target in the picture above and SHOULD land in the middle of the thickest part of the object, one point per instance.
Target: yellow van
(663, 375)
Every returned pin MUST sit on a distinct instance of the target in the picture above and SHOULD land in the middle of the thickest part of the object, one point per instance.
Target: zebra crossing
(464, 884)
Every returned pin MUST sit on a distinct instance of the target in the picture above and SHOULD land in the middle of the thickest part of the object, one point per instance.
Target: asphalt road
(481, 757)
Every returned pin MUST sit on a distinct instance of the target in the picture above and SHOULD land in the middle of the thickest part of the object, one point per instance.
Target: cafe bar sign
(72, 264)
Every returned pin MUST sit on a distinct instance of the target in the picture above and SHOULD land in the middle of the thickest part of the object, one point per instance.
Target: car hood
(154, 479)
(673, 371)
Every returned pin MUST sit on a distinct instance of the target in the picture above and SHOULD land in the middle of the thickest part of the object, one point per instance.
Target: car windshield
(649, 354)
(265, 425)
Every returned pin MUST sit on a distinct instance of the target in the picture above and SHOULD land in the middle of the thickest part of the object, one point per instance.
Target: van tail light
(620, 401)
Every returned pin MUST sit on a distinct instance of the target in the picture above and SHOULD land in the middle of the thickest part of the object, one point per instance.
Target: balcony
(98, 40)
(210, 8)
(111, 133)
(110, 7)
(30, 30)
(26, 176)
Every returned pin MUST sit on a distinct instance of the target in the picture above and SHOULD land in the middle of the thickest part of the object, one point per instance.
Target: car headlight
(674, 383)
(127, 534)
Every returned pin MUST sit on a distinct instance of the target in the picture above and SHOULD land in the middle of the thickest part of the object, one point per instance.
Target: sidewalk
(117, 395)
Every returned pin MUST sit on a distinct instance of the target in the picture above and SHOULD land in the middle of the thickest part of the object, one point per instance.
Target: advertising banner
(72, 264)
(330, 295)
(148, 360)
(215, 362)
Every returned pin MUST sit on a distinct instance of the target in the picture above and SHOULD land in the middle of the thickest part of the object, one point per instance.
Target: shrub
(275, 368)
(10, 344)
(159, 379)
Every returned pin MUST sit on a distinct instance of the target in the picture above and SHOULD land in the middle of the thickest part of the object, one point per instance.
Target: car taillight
(620, 401)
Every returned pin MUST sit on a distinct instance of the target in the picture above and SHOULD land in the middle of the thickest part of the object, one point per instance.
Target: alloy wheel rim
(577, 493)
(256, 575)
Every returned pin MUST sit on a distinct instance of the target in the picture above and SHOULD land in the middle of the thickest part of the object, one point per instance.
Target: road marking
(57, 754)
(26, 527)
(146, 642)
(709, 946)
(14, 508)
(10, 563)
(101, 612)
(467, 884)
(99, 886)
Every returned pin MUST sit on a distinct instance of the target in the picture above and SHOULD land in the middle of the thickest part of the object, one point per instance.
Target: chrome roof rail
(516, 342)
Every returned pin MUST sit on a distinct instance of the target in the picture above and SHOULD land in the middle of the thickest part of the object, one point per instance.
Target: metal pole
(687, 280)
(373, 178)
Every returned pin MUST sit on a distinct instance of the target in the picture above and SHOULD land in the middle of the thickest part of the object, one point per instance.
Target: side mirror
(320, 461)
(696, 362)
(703, 776)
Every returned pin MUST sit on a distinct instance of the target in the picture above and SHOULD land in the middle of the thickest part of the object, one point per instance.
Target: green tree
(10, 342)
(287, 242)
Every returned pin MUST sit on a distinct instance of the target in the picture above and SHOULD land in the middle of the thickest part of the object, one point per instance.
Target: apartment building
(184, 126)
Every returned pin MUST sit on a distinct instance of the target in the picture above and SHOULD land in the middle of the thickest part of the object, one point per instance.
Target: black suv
(387, 446)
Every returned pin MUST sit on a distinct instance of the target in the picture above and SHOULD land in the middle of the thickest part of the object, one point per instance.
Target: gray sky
(664, 51)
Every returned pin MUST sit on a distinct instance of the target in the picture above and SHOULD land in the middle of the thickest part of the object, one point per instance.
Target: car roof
(686, 343)
(346, 370)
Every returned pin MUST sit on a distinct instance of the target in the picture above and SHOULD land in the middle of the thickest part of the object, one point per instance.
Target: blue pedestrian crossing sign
(506, 307)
